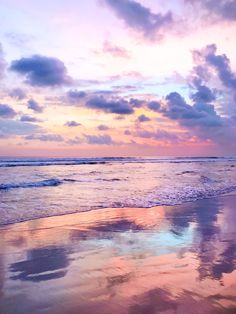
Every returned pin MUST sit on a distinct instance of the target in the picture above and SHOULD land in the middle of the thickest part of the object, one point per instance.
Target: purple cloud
(119, 106)
(199, 114)
(143, 118)
(46, 137)
(2, 63)
(75, 141)
(34, 105)
(225, 9)
(136, 103)
(16, 127)
(222, 64)
(154, 105)
(17, 93)
(206, 59)
(6, 111)
(203, 94)
(27, 118)
(75, 96)
(200, 119)
(158, 135)
(103, 127)
(127, 132)
(99, 139)
(139, 17)
(115, 51)
(72, 124)
(42, 71)
(212, 67)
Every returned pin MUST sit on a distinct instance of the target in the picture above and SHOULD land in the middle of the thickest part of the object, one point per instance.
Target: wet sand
(173, 259)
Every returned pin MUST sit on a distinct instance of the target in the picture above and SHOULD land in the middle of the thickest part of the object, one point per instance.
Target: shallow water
(178, 259)
(33, 188)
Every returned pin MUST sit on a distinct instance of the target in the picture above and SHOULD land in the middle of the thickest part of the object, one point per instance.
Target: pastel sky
(117, 77)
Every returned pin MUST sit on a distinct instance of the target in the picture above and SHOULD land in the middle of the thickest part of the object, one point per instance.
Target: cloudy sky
(117, 77)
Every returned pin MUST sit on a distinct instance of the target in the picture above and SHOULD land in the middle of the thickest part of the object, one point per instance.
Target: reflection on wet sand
(41, 264)
(178, 259)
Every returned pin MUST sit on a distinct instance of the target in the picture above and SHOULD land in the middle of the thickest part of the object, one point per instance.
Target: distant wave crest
(38, 162)
(37, 184)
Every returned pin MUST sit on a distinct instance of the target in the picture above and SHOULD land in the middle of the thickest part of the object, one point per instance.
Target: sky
(117, 78)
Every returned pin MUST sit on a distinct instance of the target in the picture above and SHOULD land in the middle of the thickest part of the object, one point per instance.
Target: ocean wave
(25, 185)
(187, 172)
(48, 163)
(207, 180)
(174, 197)
(187, 194)
(48, 183)
(109, 180)
(110, 185)
(39, 162)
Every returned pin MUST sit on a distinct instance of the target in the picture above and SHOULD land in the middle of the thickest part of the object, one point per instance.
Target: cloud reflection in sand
(158, 260)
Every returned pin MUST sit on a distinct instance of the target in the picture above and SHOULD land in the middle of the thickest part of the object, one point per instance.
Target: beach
(118, 157)
(164, 259)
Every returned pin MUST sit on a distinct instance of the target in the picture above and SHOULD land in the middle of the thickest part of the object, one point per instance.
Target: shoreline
(3, 226)
(164, 259)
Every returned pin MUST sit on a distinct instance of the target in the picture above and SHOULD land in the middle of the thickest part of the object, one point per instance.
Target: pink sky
(117, 78)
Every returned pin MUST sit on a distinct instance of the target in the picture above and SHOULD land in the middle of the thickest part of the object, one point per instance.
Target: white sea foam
(31, 191)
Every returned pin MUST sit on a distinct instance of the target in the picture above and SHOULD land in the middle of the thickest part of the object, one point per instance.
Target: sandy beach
(173, 259)
(117, 157)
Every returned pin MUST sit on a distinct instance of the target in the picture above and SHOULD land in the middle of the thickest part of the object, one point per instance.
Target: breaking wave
(108, 182)
(25, 185)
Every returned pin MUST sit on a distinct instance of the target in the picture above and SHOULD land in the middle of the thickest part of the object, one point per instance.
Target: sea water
(34, 187)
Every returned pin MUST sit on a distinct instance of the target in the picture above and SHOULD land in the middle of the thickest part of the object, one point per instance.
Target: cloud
(160, 135)
(143, 118)
(225, 9)
(222, 64)
(115, 51)
(46, 137)
(213, 68)
(34, 105)
(17, 93)
(2, 63)
(154, 105)
(16, 127)
(136, 103)
(119, 106)
(6, 111)
(99, 139)
(199, 114)
(203, 94)
(20, 40)
(27, 118)
(139, 17)
(75, 141)
(75, 96)
(201, 73)
(206, 59)
(119, 118)
(3, 136)
(103, 127)
(211, 113)
(127, 132)
(42, 71)
(200, 119)
(72, 124)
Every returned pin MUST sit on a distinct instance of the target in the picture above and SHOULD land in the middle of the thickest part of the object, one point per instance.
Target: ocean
(34, 187)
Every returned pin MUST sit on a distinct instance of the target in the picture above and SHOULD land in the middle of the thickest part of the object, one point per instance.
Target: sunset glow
(117, 78)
